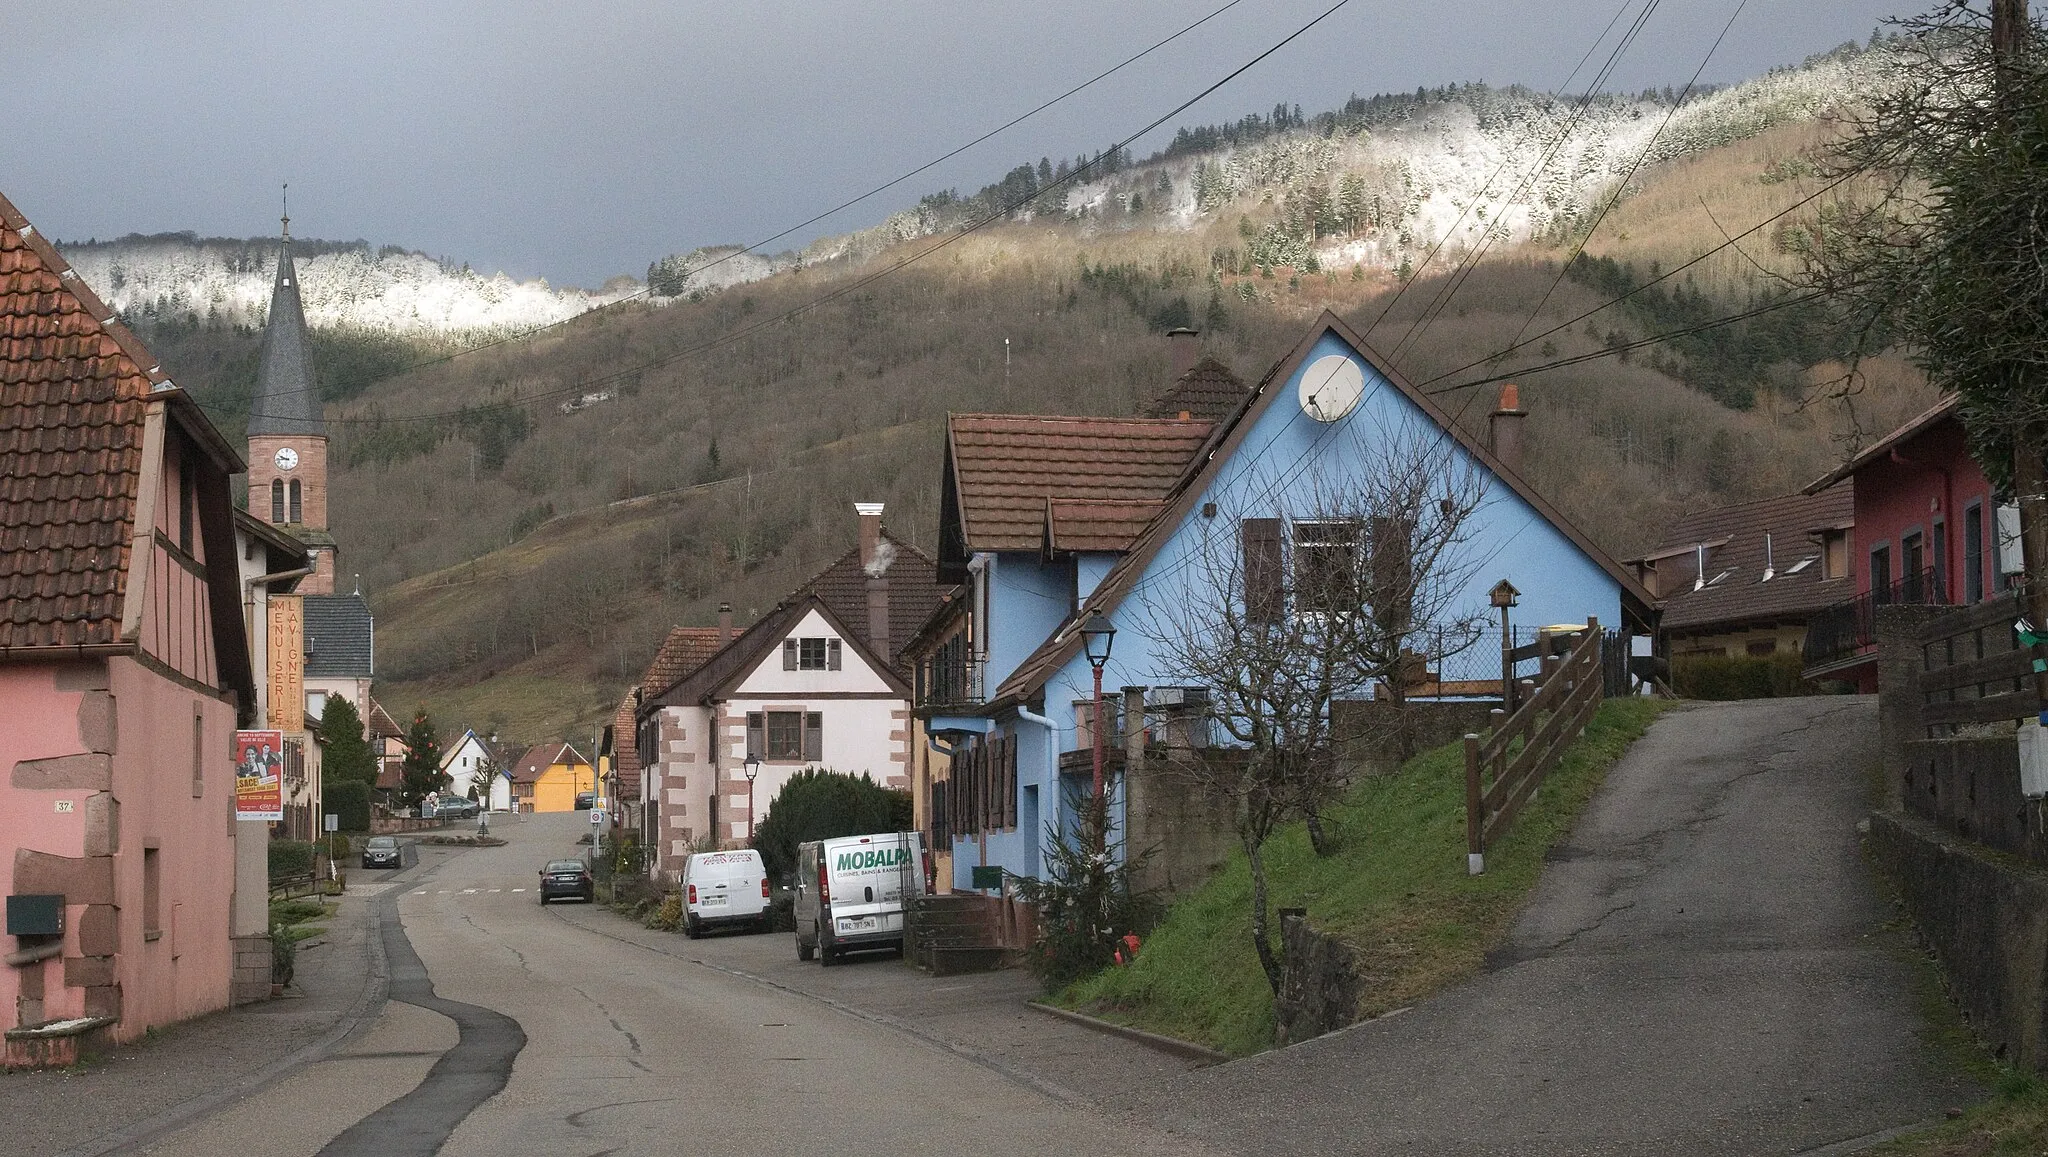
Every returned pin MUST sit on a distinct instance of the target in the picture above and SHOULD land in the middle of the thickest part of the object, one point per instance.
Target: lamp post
(752, 767)
(1503, 596)
(1097, 636)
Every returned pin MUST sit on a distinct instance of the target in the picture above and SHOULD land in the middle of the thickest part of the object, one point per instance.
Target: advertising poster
(259, 775)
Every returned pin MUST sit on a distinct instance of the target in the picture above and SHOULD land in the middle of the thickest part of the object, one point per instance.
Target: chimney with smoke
(876, 553)
(1504, 428)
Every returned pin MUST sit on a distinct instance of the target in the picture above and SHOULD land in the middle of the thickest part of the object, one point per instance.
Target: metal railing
(950, 681)
(1847, 628)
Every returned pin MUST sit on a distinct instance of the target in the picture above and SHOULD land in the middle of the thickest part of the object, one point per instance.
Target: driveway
(1702, 970)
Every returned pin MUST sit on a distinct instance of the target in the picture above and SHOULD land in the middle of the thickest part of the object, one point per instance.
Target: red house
(1928, 530)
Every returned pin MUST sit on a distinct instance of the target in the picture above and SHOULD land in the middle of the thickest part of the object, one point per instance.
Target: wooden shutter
(789, 654)
(814, 736)
(1393, 571)
(1265, 573)
(757, 733)
(1010, 781)
(832, 654)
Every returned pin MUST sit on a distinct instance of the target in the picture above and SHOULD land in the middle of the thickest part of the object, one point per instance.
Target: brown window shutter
(789, 654)
(757, 726)
(1265, 574)
(832, 655)
(814, 736)
(1393, 571)
(1010, 781)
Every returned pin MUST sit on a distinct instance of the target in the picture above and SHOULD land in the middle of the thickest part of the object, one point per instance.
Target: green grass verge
(1396, 889)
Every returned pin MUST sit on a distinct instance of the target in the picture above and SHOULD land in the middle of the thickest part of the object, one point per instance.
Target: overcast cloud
(578, 140)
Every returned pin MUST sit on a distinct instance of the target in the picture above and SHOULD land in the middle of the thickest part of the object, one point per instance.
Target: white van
(851, 892)
(724, 888)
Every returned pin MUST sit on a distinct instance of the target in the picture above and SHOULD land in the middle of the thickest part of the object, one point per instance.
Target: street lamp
(1098, 634)
(752, 767)
(1503, 596)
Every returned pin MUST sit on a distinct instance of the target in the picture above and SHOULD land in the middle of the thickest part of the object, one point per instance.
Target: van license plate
(712, 902)
(857, 924)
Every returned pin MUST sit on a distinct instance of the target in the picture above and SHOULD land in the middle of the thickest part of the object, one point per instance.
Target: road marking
(519, 889)
(421, 892)
(469, 891)
(497, 889)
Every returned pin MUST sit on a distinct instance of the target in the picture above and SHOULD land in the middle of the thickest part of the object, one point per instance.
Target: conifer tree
(344, 754)
(421, 773)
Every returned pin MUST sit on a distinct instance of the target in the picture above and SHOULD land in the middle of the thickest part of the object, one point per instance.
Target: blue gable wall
(1028, 600)
(1275, 471)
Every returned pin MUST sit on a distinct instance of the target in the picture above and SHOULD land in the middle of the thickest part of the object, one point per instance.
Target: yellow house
(548, 778)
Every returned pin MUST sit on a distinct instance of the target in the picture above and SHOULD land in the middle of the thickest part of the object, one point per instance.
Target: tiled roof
(73, 384)
(539, 759)
(1080, 524)
(1734, 537)
(625, 752)
(340, 637)
(380, 723)
(685, 650)
(287, 397)
(1004, 468)
(914, 591)
(1065, 643)
(1941, 411)
(1208, 391)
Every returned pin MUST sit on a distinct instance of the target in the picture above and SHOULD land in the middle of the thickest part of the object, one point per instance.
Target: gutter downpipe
(1052, 764)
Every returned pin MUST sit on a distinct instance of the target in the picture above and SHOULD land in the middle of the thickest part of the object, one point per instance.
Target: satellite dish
(1331, 387)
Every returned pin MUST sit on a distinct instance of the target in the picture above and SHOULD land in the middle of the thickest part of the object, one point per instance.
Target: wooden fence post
(1475, 819)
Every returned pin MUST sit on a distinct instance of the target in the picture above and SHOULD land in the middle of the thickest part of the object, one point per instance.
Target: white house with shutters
(809, 685)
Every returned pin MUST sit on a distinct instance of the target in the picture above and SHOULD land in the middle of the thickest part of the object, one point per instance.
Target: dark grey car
(383, 852)
(563, 878)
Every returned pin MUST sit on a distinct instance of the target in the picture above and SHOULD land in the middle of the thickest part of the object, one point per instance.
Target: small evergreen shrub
(290, 858)
(1086, 905)
(1740, 676)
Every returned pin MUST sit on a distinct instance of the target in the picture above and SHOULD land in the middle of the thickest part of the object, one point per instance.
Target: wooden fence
(1504, 769)
(1973, 668)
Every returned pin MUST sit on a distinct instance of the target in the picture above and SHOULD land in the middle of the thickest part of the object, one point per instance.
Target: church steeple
(287, 399)
(287, 439)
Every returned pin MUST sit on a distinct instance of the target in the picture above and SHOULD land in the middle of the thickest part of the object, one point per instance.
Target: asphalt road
(1704, 970)
(605, 1047)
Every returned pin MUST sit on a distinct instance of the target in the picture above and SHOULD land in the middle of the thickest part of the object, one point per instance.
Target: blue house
(1049, 520)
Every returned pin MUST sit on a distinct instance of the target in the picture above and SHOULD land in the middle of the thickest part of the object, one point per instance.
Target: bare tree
(1282, 615)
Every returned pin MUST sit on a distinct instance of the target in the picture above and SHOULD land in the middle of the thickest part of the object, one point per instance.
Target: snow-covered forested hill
(222, 281)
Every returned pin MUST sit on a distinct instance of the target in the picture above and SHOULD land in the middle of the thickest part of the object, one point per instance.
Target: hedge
(349, 799)
(1740, 676)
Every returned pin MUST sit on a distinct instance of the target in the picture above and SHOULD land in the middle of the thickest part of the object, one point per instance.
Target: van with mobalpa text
(852, 892)
(722, 889)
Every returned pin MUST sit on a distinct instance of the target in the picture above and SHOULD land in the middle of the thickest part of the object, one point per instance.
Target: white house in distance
(465, 760)
(812, 684)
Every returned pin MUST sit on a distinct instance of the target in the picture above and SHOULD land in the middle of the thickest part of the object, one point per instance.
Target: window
(1834, 554)
(198, 753)
(152, 893)
(298, 512)
(1265, 591)
(820, 654)
(1796, 567)
(1763, 647)
(277, 500)
(1973, 553)
(1326, 567)
(786, 735)
(1881, 574)
(1912, 561)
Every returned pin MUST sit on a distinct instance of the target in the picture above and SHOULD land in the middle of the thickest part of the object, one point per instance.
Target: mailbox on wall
(35, 915)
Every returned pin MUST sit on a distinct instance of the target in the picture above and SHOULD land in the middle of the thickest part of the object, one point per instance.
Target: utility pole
(2009, 31)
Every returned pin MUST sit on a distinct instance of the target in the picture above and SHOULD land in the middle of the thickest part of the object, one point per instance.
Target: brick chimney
(875, 556)
(724, 623)
(1504, 428)
(1184, 347)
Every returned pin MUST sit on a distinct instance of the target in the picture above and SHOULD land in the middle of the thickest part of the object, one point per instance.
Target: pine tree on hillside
(344, 754)
(421, 773)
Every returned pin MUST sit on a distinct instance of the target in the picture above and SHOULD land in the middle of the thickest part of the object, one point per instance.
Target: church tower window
(277, 500)
(298, 513)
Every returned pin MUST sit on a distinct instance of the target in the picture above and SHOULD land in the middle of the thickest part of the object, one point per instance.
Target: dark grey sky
(576, 139)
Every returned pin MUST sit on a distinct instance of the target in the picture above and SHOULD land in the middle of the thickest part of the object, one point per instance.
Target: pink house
(1927, 531)
(123, 668)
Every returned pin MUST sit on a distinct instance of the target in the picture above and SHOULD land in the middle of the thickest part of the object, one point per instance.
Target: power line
(999, 214)
(841, 207)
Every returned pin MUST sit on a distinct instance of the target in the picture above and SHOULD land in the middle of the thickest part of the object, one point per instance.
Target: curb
(354, 1020)
(1171, 1045)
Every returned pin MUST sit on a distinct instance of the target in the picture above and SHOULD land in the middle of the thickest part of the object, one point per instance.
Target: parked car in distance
(562, 878)
(383, 852)
(456, 809)
(851, 892)
(723, 889)
(585, 800)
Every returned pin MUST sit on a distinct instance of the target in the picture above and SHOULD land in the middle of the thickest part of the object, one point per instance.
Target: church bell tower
(287, 437)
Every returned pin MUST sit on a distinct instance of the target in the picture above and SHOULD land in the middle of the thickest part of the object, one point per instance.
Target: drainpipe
(1052, 761)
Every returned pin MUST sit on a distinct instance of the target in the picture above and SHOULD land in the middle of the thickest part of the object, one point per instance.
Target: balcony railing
(951, 681)
(1846, 628)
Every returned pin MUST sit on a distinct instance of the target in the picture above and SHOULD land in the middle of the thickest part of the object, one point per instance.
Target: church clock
(287, 458)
